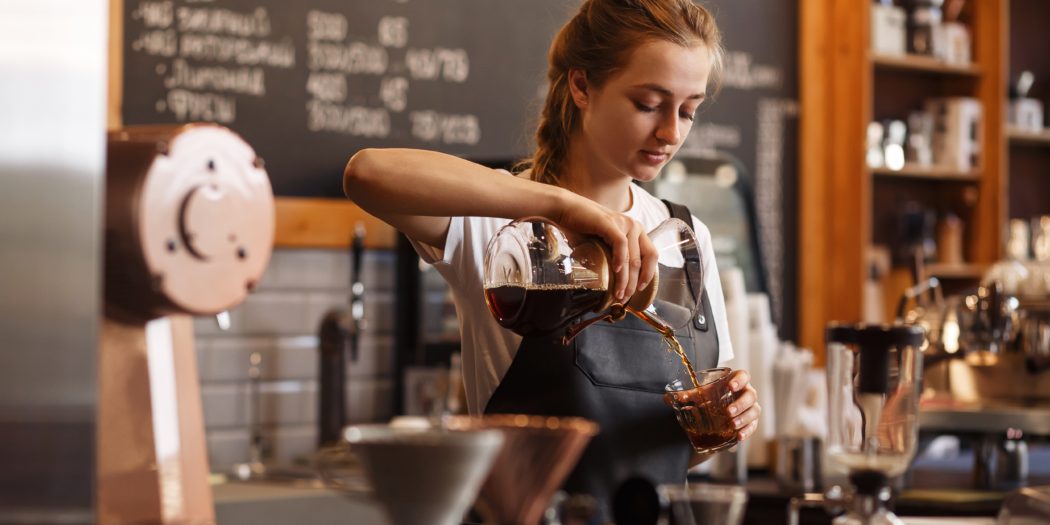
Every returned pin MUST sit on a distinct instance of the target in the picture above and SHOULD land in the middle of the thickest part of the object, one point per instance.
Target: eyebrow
(667, 92)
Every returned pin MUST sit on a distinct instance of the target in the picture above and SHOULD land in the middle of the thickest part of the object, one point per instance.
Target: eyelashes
(653, 109)
(645, 109)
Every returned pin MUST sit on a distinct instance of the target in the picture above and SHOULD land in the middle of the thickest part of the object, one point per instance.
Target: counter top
(768, 504)
(263, 503)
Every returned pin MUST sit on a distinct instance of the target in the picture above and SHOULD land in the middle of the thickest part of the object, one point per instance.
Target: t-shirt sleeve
(465, 242)
(448, 260)
(713, 284)
(438, 255)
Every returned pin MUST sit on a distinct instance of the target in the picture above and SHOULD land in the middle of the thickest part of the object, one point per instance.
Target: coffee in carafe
(536, 281)
(540, 308)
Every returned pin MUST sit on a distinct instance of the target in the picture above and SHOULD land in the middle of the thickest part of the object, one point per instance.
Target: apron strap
(693, 267)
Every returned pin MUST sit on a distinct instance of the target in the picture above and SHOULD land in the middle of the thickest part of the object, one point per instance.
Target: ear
(578, 87)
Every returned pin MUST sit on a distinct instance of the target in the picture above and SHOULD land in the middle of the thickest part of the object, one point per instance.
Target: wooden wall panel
(327, 223)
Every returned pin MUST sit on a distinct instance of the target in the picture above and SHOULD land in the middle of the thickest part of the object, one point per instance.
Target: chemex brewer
(537, 282)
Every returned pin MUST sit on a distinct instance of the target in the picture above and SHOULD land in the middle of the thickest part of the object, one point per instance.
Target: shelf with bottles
(932, 172)
(936, 221)
(923, 36)
(923, 64)
(1023, 137)
(940, 139)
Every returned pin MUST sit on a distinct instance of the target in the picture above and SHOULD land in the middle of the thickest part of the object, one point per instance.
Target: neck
(587, 176)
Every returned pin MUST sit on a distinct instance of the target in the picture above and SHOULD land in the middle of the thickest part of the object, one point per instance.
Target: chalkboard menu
(308, 83)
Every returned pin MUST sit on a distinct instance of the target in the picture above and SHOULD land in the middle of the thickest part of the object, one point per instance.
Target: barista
(626, 79)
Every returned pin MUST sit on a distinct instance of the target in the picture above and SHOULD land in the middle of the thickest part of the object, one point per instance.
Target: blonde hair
(599, 41)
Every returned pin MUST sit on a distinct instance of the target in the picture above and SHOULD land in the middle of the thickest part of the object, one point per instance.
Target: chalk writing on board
(214, 55)
(772, 123)
(741, 72)
(338, 59)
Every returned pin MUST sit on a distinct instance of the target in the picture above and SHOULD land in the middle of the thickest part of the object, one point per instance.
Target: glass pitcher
(874, 374)
(537, 281)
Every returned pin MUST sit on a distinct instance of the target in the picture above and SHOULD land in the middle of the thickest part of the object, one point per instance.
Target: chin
(645, 173)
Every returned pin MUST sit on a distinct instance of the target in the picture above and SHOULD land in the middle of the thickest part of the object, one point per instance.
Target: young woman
(626, 78)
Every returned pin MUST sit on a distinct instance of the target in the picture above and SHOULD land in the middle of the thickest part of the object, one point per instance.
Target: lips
(654, 157)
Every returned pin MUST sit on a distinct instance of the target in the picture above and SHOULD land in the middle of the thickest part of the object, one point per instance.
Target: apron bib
(613, 374)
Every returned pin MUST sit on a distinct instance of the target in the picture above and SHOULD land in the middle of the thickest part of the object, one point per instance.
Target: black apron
(614, 374)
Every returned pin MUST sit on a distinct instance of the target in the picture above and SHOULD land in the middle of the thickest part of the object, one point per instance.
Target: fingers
(746, 405)
(739, 380)
(616, 238)
(634, 259)
(747, 432)
(743, 401)
(650, 258)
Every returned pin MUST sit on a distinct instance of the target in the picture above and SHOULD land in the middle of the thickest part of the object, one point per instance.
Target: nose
(667, 131)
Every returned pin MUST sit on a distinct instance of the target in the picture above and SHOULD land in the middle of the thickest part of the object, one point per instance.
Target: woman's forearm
(427, 183)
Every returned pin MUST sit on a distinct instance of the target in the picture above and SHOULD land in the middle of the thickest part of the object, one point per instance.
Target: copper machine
(189, 231)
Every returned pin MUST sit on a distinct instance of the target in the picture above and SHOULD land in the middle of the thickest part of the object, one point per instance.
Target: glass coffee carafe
(873, 375)
(538, 281)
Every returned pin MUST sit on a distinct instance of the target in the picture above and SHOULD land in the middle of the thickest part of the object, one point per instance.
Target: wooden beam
(814, 166)
(835, 186)
(991, 41)
(327, 223)
(115, 93)
(848, 203)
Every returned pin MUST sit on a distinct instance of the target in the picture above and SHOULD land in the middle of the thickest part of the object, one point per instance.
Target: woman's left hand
(745, 408)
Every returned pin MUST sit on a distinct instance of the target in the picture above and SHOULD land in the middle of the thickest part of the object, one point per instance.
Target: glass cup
(702, 503)
(703, 412)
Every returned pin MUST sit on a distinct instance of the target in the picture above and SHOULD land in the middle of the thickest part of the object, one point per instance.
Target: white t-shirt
(487, 347)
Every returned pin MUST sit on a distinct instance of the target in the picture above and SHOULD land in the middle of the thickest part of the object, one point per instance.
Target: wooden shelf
(923, 64)
(955, 271)
(929, 173)
(1028, 138)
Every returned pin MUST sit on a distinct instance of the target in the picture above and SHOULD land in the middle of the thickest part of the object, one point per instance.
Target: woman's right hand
(634, 257)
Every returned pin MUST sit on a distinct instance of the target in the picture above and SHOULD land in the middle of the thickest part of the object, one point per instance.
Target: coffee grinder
(189, 231)
(873, 377)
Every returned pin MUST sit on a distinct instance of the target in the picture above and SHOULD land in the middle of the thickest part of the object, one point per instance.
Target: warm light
(950, 334)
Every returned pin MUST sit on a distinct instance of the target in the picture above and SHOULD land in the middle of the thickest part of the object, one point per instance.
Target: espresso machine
(986, 377)
(874, 375)
(188, 231)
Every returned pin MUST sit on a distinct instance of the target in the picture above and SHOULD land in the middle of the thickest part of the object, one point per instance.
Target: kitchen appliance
(985, 367)
(189, 231)
(424, 476)
(874, 374)
(538, 280)
(537, 455)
